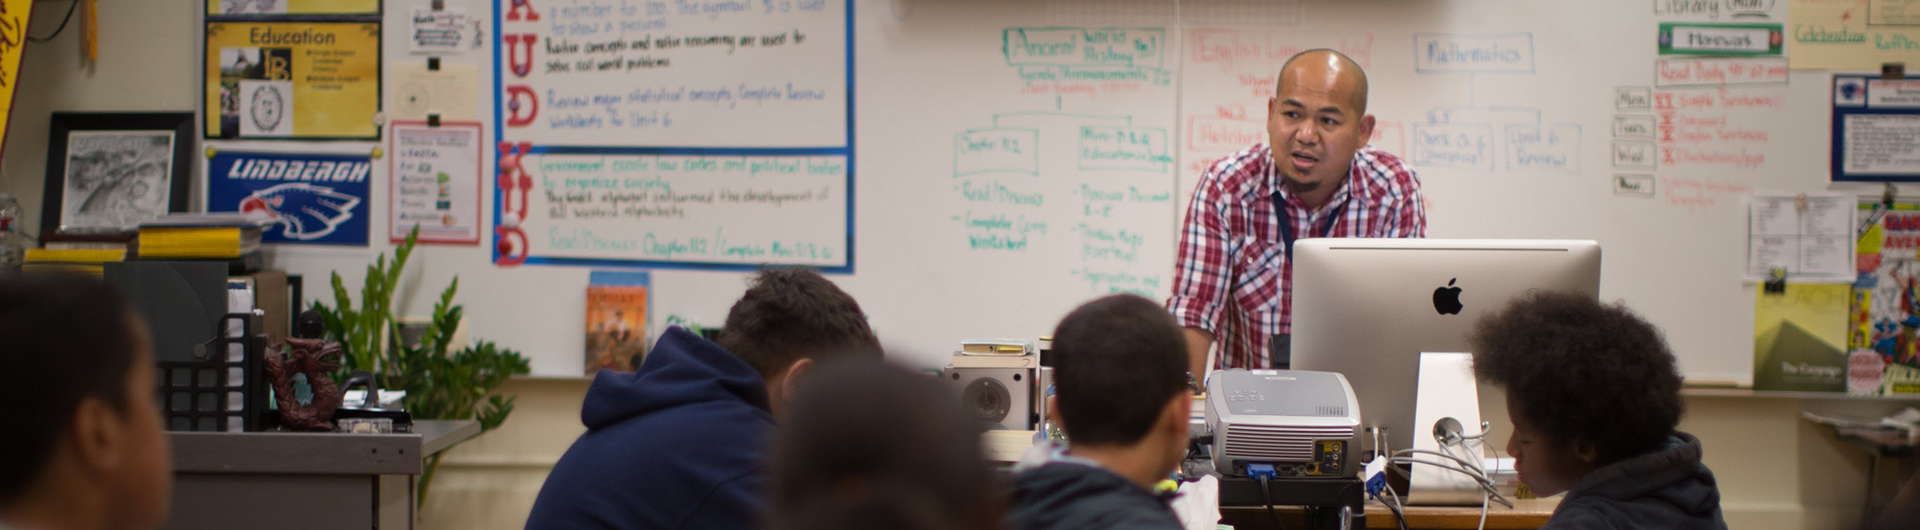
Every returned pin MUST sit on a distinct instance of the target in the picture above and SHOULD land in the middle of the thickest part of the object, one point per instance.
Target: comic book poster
(1886, 296)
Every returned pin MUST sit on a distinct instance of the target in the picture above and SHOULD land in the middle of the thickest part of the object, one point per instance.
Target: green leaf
(441, 381)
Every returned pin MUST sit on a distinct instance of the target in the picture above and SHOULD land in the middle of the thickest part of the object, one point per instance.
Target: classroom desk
(302, 480)
(1006, 447)
(1526, 514)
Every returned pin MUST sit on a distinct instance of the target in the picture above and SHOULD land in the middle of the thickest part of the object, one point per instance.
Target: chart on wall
(672, 133)
(276, 72)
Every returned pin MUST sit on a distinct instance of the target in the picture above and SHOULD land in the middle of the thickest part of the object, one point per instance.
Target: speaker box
(1001, 398)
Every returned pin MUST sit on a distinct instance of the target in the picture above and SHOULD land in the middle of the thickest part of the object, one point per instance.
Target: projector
(1302, 423)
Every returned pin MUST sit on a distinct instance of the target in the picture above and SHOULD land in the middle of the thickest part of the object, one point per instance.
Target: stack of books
(84, 260)
(230, 237)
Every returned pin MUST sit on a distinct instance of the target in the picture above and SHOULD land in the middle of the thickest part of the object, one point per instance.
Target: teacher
(1315, 177)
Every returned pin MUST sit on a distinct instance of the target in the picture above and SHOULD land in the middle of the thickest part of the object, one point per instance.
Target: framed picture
(107, 172)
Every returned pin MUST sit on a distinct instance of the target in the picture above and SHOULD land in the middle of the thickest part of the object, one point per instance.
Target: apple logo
(1446, 300)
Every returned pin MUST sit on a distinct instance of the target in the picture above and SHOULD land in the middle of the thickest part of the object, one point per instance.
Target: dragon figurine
(318, 359)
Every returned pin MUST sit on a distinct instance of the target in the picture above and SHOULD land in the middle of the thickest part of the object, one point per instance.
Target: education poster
(315, 198)
(292, 80)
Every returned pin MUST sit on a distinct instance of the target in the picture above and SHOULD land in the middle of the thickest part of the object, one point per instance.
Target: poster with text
(292, 7)
(435, 183)
(700, 135)
(1841, 35)
(1876, 129)
(292, 80)
(314, 198)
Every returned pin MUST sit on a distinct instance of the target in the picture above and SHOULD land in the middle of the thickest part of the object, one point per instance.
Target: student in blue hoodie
(1594, 396)
(681, 442)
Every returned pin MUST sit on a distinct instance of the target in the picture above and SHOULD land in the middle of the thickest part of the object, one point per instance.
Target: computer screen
(1367, 308)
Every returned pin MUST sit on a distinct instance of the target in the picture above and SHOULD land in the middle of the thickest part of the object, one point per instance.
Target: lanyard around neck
(1286, 223)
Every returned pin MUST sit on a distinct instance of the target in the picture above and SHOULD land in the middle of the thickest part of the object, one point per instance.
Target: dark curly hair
(1581, 370)
(793, 313)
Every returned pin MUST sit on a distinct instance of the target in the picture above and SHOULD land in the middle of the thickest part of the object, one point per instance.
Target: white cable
(1465, 467)
(1464, 463)
(1474, 468)
(1477, 479)
(1485, 501)
(1484, 486)
(1475, 475)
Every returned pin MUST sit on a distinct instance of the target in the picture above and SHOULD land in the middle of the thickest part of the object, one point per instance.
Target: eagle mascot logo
(305, 212)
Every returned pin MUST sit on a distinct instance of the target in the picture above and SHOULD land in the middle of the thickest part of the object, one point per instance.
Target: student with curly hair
(1594, 396)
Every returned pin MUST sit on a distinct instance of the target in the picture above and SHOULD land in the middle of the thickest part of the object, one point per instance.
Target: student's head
(82, 436)
(1588, 384)
(790, 318)
(1318, 118)
(1120, 369)
(872, 446)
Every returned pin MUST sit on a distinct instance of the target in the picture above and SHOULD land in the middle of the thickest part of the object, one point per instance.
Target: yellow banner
(1845, 35)
(293, 7)
(293, 79)
(13, 40)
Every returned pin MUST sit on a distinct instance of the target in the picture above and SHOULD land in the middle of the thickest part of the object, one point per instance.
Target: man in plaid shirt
(1233, 282)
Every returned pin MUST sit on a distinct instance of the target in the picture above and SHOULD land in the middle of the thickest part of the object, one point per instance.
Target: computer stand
(1322, 497)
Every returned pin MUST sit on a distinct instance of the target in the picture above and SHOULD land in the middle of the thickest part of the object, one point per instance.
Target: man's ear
(1177, 413)
(793, 374)
(99, 436)
(1366, 129)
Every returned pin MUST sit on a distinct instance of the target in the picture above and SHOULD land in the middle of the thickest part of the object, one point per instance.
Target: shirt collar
(1058, 454)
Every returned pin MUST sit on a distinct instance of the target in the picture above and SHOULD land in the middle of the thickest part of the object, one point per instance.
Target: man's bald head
(1317, 121)
(1327, 70)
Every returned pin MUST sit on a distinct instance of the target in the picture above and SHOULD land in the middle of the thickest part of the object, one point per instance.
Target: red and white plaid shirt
(1234, 278)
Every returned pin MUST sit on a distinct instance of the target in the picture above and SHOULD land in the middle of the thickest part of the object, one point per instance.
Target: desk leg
(1868, 511)
(393, 502)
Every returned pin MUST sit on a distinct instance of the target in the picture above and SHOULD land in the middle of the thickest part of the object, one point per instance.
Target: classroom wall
(1776, 471)
(146, 64)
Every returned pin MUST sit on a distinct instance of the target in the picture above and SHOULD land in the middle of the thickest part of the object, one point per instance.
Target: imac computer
(1367, 308)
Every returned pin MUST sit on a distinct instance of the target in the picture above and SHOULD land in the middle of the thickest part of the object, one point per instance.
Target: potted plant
(442, 380)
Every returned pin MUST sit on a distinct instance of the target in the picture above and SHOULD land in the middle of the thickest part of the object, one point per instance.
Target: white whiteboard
(673, 73)
(999, 187)
(704, 134)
